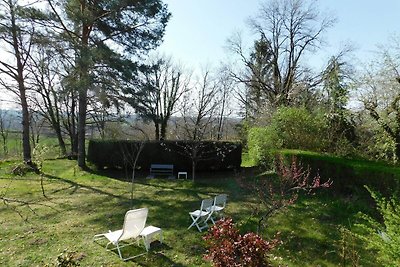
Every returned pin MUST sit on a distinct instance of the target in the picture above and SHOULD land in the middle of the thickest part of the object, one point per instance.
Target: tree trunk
(157, 130)
(81, 127)
(163, 130)
(25, 125)
(61, 143)
(193, 169)
(22, 92)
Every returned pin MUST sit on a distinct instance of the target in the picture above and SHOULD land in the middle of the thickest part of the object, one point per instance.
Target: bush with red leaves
(227, 247)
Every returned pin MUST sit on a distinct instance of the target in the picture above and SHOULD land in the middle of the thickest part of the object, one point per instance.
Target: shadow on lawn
(75, 186)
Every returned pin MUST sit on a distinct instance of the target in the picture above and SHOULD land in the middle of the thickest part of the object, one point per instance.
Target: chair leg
(119, 252)
(194, 221)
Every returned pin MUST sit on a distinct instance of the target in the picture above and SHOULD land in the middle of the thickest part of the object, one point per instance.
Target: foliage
(300, 129)
(227, 247)
(290, 127)
(348, 250)
(262, 143)
(383, 235)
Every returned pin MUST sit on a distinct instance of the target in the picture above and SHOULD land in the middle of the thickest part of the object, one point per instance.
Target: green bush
(383, 236)
(290, 127)
(300, 129)
(262, 142)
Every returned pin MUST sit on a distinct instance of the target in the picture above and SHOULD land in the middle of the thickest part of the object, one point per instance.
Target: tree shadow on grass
(75, 186)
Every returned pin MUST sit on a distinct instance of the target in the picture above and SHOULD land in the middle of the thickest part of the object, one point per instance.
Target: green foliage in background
(290, 127)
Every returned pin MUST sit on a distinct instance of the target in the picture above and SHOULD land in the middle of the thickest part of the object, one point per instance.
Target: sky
(197, 32)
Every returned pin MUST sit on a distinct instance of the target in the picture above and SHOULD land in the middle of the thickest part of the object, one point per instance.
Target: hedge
(212, 156)
(348, 175)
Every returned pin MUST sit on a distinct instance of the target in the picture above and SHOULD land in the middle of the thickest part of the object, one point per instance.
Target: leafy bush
(290, 127)
(300, 129)
(227, 247)
(383, 236)
(261, 143)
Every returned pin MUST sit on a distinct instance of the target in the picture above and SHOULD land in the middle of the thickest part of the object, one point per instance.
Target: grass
(81, 204)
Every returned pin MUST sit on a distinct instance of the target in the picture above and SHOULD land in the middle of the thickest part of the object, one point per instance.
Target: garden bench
(161, 170)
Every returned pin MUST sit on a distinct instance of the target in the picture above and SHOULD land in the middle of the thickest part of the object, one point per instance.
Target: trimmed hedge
(349, 174)
(212, 156)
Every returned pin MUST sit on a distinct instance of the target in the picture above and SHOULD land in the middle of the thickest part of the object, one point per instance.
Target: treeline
(80, 65)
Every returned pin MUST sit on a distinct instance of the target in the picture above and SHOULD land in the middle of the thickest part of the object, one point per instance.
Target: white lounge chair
(133, 228)
(218, 206)
(202, 215)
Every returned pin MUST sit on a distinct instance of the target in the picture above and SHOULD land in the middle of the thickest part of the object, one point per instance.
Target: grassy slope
(82, 204)
(360, 165)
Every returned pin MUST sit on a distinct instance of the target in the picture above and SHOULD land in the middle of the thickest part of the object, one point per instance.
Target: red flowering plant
(276, 193)
(227, 247)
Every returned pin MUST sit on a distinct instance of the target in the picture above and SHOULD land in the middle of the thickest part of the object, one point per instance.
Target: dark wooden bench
(161, 170)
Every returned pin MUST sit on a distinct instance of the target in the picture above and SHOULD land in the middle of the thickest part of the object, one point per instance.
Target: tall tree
(380, 94)
(274, 70)
(16, 36)
(163, 85)
(336, 83)
(46, 69)
(106, 36)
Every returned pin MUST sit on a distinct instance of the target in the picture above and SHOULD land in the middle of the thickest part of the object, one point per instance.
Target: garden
(52, 217)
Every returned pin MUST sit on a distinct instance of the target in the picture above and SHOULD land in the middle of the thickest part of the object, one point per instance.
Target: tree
(164, 85)
(16, 35)
(274, 70)
(199, 113)
(46, 69)
(105, 37)
(379, 90)
(336, 83)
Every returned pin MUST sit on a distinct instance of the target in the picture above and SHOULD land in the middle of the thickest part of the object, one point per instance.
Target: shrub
(290, 127)
(261, 144)
(227, 247)
(300, 129)
(383, 236)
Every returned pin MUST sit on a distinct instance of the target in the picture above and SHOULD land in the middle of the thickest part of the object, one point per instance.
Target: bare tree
(16, 37)
(380, 93)
(46, 68)
(274, 69)
(164, 85)
(199, 112)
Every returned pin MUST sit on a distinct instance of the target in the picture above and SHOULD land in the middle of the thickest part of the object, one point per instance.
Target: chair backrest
(220, 200)
(134, 223)
(206, 204)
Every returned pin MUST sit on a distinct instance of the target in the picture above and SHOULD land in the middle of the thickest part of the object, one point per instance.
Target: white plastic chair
(134, 223)
(201, 216)
(218, 206)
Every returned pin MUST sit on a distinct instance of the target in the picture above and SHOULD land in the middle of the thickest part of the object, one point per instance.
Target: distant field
(14, 146)
(82, 204)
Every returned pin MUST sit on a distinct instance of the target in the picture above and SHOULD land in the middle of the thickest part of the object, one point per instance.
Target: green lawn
(81, 204)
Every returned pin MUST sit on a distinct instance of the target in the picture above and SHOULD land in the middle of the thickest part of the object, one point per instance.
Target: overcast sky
(198, 30)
